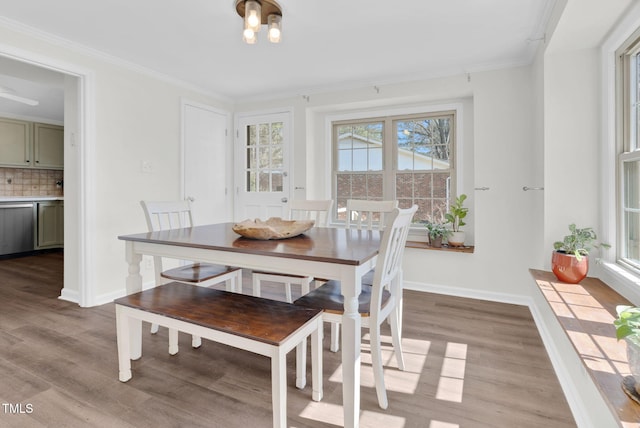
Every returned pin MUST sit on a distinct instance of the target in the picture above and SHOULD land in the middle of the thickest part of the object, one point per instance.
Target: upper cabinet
(48, 146)
(31, 145)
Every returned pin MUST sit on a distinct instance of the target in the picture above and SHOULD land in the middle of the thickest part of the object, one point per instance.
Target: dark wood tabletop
(333, 245)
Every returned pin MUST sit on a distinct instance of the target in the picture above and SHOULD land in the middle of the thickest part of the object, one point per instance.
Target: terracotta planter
(456, 239)
(567, 268)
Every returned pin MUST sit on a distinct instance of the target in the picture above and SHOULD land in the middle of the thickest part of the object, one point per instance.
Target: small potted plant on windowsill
(436, 232)
(628, 328)
(570, 261)
(457, 212)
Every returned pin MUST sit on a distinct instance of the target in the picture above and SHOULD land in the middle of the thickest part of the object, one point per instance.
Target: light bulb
(252, 15)
(275, 28)
(249, 36)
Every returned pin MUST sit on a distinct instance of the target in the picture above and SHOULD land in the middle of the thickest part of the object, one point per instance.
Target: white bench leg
(196, 342)
(124, 349)
(316, 363)
(301, 364)
(173, 341)
(279, 389)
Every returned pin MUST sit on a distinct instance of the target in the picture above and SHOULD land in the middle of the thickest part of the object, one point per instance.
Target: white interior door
(205, 171)
(262, 167)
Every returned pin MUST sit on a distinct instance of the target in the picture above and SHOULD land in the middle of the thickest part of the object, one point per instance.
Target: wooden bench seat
(265, 327)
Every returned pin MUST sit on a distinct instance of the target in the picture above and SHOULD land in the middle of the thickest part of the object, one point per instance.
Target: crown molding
(105, 57)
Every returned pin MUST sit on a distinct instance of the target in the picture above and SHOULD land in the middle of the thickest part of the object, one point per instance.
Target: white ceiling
(327, 44)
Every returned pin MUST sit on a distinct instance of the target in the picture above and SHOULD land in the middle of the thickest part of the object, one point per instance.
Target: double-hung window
(629, 153)
(409, 158)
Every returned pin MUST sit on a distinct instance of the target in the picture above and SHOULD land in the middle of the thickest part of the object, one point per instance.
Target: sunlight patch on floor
(415, 355)
(451, 381)
(332, 415)
(440, 424)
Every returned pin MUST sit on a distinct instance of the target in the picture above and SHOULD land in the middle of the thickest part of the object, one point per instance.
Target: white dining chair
(363, 215)
(300, 209)
(377, 302)
(166, 215)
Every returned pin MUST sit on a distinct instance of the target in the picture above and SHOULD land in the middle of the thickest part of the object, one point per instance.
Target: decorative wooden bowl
(273, 228)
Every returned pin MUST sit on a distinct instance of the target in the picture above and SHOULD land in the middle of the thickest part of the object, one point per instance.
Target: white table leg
(279, 388)
(351, 353)
(134, 285)
(123, 341)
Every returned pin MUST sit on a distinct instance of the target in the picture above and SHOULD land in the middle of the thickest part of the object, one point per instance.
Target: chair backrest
(369, 214)
(165, 215)
(306, 209)
(388, 270)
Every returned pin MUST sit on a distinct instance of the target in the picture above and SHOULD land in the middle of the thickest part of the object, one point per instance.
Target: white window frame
(628, 136)
(619, 275)
(417, 232)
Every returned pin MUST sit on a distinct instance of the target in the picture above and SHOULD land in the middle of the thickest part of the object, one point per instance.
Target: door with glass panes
(262, 166)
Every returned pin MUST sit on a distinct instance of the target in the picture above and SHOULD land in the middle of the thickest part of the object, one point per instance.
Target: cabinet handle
(27, 205)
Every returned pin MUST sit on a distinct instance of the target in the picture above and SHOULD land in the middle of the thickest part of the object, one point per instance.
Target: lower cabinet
(50, 224)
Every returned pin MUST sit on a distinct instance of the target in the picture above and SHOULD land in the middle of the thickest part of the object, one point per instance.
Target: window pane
(359, 147)
(263, 184)
(632, 211)
(375, 159)
(344, 160)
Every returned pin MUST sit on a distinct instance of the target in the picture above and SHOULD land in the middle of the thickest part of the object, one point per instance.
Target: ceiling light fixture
(257, 12)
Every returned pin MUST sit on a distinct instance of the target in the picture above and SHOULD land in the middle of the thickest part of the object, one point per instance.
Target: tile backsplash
(30, 182)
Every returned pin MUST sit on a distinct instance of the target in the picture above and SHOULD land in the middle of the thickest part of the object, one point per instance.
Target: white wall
(499, 152)
(137, 117)
(572, 142)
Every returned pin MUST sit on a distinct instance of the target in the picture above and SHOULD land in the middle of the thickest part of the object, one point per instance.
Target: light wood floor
(469, 364)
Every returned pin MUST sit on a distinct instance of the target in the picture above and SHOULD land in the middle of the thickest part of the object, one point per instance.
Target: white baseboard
(70, 295)
(469, 293)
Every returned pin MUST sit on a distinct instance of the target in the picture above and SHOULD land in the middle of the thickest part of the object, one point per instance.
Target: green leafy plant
(437, 229)
(457, 212)
(579, 242)
(628, 321)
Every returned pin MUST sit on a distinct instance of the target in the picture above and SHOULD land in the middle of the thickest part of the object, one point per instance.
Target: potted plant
(436, 232)
(457, 212)
(570, 261)
(628, 328)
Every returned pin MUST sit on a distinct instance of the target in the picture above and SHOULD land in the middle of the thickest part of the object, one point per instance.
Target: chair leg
(376, 362)
(256, 286)
(396, 337)
(335, 337)
(238, 282)
(287, 291)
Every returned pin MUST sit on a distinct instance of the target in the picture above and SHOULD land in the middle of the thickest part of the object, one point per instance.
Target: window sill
(586, 312)
(445, 247)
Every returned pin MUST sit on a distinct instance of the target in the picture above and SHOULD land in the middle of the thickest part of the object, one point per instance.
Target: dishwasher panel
(16, 227)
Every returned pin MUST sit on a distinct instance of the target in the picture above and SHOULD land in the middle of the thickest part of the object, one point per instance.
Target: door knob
(285, 200)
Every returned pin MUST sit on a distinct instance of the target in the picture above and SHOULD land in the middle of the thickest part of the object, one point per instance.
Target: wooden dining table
(328, 253)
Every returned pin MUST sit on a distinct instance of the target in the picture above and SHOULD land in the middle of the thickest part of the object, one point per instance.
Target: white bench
(265, 327)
